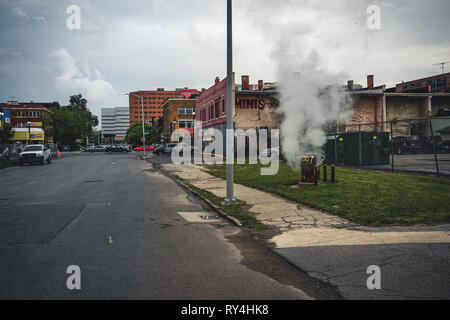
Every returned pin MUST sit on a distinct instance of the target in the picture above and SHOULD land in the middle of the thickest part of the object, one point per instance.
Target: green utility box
(358, 149)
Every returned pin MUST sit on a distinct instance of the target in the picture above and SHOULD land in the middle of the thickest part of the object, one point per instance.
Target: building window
(188, 111)
(185, 124)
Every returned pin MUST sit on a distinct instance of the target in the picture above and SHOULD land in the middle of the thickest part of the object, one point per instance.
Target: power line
(442, 64)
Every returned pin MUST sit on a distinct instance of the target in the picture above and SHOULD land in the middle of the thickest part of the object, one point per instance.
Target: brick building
(18, 114)
(433, 84)
(254, 106)
(153, 103)
(178, 114)
(375, 107)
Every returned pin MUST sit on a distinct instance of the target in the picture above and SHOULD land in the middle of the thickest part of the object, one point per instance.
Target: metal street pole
(29, 132)
(230, 129)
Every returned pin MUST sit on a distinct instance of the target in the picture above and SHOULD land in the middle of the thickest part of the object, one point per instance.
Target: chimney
(260, 85)
(245, 83)
(217, 80)
(370, 82)
(350, 85)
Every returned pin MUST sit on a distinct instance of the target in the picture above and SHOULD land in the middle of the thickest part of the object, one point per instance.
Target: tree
(71, 122)
(134, 134)
(6, 132)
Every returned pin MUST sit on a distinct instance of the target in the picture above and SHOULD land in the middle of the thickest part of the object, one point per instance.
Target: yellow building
(178, 114)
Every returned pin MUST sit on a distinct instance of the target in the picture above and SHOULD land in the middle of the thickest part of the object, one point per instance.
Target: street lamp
(143, 121)
(29, 131)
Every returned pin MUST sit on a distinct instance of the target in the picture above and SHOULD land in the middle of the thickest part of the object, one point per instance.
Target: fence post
(335, 149)
(333, 174)
(325, 173)
(359, 147)
(392, 146)
(434, 148)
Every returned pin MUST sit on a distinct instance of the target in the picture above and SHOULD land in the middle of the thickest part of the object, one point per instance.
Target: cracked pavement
(414, 261)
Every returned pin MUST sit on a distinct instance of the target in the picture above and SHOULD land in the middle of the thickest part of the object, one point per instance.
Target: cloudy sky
(132, 45)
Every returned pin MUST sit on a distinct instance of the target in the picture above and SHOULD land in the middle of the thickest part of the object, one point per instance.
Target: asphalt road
(117, 219)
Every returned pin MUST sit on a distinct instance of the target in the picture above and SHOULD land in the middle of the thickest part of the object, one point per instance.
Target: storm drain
(200, 217)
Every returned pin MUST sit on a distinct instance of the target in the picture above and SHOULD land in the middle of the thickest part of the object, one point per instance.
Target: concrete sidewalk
(414, 261)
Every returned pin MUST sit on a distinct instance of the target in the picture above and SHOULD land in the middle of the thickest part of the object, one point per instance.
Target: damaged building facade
(254, 107)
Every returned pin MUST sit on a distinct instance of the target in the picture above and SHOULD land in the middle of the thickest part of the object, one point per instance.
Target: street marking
(200, 217)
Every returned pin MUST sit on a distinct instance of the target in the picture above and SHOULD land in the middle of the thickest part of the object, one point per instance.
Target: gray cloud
(174, 43)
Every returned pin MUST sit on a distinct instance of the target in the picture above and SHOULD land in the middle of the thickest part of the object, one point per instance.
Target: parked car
(141, 148)
(158, 150)
(411, 144)
(35, 153)
(93, 148)
(444, 147)
(64, 148)
(168, 147)
(116, 148)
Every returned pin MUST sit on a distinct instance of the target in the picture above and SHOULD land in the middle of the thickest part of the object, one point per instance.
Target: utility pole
(230, 128)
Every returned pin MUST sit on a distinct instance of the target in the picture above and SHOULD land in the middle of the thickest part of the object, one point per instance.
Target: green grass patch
(237, 210)
(361, 196)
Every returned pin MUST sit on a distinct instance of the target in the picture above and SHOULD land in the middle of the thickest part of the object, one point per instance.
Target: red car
(141, 148)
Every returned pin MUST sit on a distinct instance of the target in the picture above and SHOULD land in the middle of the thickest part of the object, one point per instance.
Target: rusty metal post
(333, 174)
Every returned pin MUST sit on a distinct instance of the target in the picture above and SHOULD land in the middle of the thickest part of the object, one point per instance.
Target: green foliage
(134, 134)
(362, 196)
(6, 132)
(70, 123)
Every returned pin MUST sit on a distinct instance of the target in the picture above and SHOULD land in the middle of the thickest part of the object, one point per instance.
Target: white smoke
(312, 97)
(311, 101)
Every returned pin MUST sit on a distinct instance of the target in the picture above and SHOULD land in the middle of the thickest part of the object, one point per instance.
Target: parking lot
(418, 163)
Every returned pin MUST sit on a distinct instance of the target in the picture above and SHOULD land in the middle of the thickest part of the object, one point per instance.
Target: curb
(215, 207)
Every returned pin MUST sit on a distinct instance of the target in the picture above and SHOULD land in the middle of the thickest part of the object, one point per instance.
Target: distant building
(115, 122)
(178, 114)
(433, 84)
(375, 107)
(153, 103)
(19, 114)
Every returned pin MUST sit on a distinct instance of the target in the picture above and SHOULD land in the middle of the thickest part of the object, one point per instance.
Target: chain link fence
(409, 145)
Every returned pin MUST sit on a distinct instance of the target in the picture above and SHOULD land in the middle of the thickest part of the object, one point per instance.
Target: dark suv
(418, 144)
(411, 144)
(116, 148)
